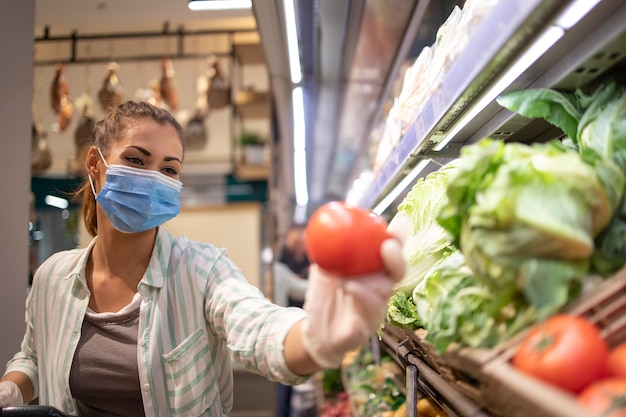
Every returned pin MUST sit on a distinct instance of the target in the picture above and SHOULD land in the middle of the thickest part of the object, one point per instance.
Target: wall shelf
(249, 54)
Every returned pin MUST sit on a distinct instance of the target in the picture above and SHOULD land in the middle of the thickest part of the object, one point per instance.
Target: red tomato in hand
(603, 395)
(567, 351)
(617, 361)
(346, 240)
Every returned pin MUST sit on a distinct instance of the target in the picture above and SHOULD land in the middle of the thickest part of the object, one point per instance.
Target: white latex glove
(401, 226)
(343, 313)
(10, 395)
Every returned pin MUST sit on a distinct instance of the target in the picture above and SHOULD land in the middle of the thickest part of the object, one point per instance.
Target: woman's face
(149, 145)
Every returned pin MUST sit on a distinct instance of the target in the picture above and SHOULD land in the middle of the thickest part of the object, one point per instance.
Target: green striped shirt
(197, 312)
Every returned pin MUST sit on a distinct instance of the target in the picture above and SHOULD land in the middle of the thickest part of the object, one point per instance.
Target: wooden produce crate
(461, 368)
(511, 393)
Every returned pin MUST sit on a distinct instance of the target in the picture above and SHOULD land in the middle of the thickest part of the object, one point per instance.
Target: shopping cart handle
(32, 411)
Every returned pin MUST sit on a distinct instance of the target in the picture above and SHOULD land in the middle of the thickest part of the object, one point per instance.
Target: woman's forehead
(153, 136)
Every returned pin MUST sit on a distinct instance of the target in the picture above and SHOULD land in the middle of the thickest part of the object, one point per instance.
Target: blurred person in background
(293, 255)
(291, 271)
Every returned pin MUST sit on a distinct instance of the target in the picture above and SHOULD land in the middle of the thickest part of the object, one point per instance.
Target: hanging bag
(41, 157)
(218, 94)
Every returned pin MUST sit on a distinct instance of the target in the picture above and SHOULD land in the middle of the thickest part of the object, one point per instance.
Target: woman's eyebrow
(142, 150)
(172, 158)
(148, 153)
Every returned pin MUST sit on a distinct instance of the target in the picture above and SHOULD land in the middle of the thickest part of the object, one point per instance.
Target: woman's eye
(170, 171)
(134, 160)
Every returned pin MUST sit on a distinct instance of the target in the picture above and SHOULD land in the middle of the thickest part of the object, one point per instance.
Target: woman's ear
(91, 161)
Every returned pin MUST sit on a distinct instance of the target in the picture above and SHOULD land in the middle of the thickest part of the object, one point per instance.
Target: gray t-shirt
(104, 377)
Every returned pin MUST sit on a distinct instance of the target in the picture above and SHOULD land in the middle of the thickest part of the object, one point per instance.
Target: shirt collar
(78, 271)
(158, 267)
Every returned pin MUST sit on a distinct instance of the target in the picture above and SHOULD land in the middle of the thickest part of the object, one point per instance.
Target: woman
(141, 322)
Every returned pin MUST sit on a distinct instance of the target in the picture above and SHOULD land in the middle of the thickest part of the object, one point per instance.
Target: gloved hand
(10, 394)
(342, 313)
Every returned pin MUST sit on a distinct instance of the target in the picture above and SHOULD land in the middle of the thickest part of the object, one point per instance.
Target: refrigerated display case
(519, 44)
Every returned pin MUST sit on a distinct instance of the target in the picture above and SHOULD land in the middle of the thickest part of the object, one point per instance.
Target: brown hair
(112, 128)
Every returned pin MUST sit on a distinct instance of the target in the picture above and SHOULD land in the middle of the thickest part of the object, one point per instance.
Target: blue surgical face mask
(135, 200)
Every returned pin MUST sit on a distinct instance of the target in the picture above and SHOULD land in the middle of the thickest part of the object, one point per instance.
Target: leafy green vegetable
(458, 308)
(332, 382)
(594, 104)
(428, 243)
(522, 214)
(558, 108)
(402, 312)
(600, 138)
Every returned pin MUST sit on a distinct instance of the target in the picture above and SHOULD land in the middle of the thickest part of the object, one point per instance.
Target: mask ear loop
(102, 156)
(93, 189)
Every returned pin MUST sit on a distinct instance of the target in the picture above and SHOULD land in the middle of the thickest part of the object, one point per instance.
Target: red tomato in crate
(566, 351)
(346, 240)
(605, 394)
(617, 361)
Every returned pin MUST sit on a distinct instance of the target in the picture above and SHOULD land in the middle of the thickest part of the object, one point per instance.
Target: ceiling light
(299, 147)
(293, 49)
(219, 4)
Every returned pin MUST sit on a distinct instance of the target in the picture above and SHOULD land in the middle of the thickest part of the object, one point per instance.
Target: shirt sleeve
(25, 361)
(255, 328)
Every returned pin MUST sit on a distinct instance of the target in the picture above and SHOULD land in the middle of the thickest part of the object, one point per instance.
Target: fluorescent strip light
(400, 187)
(197, 5)
(292, 42)
(57, 202)
(299, 147)
(548, 38)
(299, 167)
(574, 12)
(300, 215)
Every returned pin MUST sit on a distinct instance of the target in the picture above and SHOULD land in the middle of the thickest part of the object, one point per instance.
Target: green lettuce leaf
(401, 311)
(428, 243)
(458, 309)
(599, 119)
(527, 215)
(557, 108)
